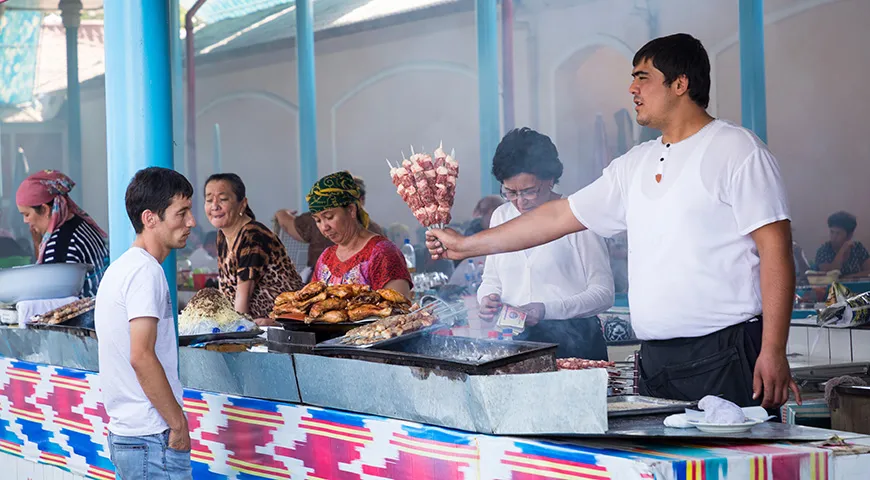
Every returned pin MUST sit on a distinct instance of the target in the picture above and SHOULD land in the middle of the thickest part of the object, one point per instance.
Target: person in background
(562, 285)
(482, 214)
(801, 264)
(205, 256)
(841, 252)
(617, 246)
(67, 234)
(138, 350)
(253, 265)
(357, 256)
(398, 233)
(303, 228)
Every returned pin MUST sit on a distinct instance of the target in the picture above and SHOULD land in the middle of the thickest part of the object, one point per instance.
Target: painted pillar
(507, 66)
(753, 98)
(487, 78)
(307, 94)
(71, 13)
(218, 166)
(138, 108)
(176, 49)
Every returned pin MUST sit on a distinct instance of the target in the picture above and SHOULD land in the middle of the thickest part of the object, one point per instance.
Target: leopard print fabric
(259, 256)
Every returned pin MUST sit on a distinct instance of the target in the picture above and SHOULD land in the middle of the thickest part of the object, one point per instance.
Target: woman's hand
(489, 306)
(535, 312)
(266, 322)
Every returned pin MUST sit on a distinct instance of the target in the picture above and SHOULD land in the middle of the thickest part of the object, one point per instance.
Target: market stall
(274, 415)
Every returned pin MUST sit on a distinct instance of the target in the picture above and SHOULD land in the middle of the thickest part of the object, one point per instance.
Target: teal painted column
(176, 48)
(71, 13)
(218, 165)
(753, 97)
(487, 78)
(307, 93)
(138, 108)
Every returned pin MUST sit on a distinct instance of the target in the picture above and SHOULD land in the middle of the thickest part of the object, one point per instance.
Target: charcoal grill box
(435, 392)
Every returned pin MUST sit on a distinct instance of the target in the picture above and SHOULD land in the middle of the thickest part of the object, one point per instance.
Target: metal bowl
(37, 282)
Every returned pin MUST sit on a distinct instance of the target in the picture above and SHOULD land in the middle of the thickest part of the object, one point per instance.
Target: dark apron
(576, 337)
(721, 363)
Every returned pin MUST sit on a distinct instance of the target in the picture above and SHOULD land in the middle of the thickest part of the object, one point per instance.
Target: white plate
(726, 428)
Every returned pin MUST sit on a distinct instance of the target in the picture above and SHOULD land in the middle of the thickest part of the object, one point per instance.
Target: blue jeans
(148, 458)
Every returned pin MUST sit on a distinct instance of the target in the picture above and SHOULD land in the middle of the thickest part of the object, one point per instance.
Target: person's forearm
(777, 298)
(242, 302)
(544, 224)
(153, 380)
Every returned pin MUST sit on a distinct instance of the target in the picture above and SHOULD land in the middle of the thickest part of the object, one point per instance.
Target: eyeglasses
(528, 194)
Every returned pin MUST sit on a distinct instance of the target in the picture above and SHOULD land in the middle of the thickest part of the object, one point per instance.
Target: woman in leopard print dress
(253, 263)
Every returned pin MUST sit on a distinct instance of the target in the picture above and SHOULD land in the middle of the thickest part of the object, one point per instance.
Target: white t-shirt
(134, 286)
(571, 276)
(693, 267)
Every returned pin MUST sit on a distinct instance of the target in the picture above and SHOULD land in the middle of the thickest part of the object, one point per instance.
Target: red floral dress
(377, 264)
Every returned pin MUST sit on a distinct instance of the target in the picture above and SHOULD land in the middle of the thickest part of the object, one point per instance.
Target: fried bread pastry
(367, 298)
(327, 305)
(340, 291)
(367, 311)
(334, 316)
(391, 295)
(311, 290)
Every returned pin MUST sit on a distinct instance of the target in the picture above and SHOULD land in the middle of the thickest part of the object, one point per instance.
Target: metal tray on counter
(336, 343)
(621, 405)
(322, 331)
(471, 356)
(187, 340)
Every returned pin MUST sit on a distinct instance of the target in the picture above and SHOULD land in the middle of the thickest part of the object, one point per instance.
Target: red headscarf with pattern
(51, 186)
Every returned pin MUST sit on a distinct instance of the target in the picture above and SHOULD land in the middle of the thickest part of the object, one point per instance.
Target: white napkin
(28, 308)
(681, 420)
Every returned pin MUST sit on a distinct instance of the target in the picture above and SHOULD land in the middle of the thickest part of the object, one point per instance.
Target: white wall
(379, 91)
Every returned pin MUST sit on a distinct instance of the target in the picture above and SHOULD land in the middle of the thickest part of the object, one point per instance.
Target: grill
(457, 354)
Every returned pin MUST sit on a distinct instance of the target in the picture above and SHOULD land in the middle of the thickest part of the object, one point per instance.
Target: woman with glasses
(561, 286)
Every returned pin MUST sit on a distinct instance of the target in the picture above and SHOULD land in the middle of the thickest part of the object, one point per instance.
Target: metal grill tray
(187, 340)
(458, 354)
(335, 343)
(656, 405)
(322, 331)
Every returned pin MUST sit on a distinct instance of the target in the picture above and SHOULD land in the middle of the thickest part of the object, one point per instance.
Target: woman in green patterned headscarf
(358, 256)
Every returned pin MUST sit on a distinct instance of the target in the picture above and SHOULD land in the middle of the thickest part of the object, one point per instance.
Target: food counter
(246, 423)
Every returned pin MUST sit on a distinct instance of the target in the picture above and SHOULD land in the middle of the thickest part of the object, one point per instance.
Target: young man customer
(709, 242)
(148, 432)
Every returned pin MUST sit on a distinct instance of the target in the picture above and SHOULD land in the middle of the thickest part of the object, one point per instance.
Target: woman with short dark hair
(841, 252)
(253, 265)
(561, 286)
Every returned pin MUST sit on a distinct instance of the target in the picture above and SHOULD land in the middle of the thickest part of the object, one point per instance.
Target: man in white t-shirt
(709, 239)
(148, 432)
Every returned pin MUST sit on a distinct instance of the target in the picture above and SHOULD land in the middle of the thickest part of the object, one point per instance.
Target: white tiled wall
(797, 341)
(861, 345)
(841, 344)
(819, 342)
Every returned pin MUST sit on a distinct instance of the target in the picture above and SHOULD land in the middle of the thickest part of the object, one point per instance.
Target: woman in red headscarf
(68, 234)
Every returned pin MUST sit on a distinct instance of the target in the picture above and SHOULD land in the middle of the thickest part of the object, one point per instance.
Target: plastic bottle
(410, 256)
(472, 277)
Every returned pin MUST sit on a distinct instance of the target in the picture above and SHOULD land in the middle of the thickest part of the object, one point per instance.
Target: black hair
(677, 55)
(237, 185)
(210, 238)
(844, 220)
(523, 150)
(153, 189)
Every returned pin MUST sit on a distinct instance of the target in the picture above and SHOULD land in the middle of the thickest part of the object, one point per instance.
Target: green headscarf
(334, 191)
